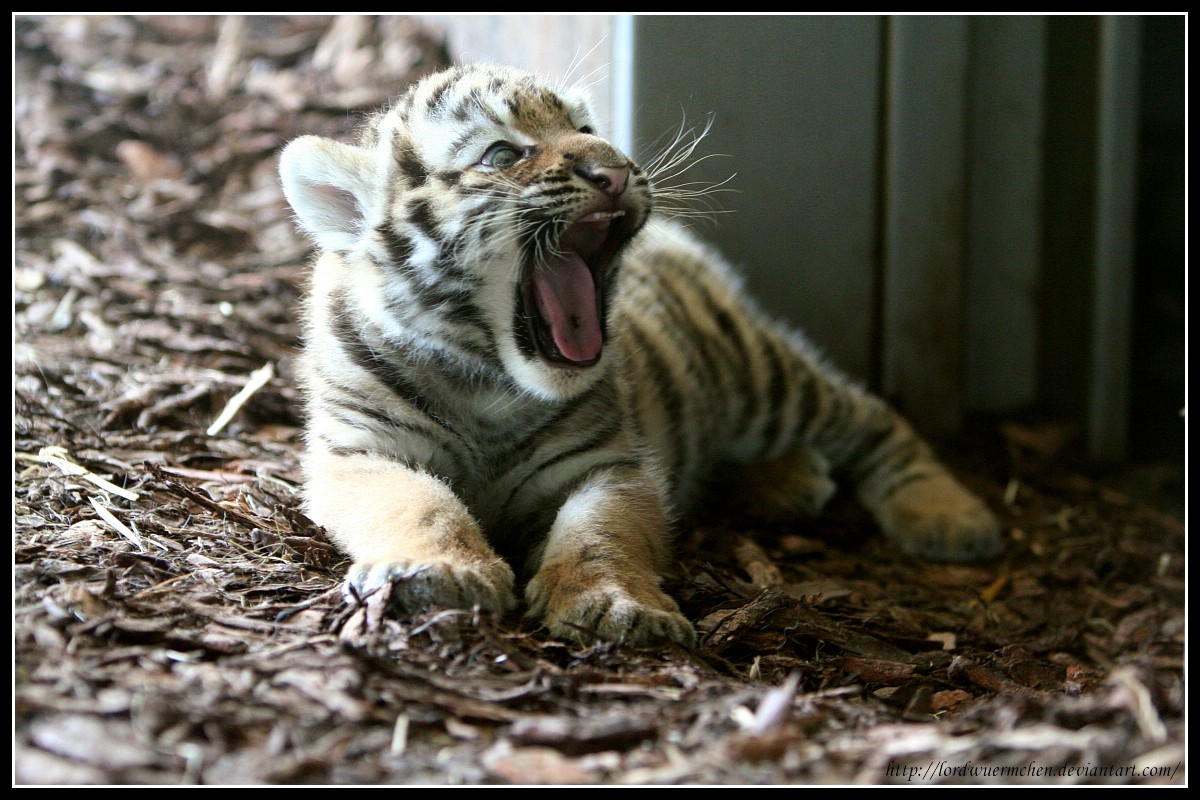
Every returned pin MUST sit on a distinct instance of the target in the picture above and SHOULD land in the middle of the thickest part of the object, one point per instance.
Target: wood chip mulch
(177, 619)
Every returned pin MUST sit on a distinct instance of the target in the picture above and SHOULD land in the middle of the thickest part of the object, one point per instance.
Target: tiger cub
(510, 362)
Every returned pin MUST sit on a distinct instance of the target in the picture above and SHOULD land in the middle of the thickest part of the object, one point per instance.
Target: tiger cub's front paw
(613, 614)
(935, 518)
(419, 587)
(608, 611)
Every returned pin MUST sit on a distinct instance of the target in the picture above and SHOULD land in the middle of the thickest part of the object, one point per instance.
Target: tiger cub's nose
(610, 180)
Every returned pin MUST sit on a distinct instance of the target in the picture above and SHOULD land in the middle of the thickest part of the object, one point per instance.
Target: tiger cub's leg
(836, 426)
(917, 502)
(407, 528)
(931, 515)
(598, 574)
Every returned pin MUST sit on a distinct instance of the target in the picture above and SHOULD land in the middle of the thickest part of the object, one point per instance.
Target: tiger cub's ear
(331, 188)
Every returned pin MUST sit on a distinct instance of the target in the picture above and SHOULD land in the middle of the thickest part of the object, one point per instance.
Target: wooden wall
(944, 204)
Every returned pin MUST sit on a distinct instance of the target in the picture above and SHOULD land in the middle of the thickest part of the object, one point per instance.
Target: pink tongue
(566, 298)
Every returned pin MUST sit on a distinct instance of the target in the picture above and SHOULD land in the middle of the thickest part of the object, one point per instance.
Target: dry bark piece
(34, 766)
(875, 671)
(586, 735)
(536, 765)
(992, 681)
(949, 699)
(107, 745)
(147, 164)
(756, 563)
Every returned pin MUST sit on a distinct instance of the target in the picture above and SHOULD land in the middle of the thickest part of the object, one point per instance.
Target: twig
(774, 708)
(258, 379)
(1136, 697)
(212, 505)
(399, 736)
(58, 457)
(226, 54)
(116, 524)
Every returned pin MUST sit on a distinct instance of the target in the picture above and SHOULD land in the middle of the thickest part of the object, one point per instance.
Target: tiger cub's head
(488, 214)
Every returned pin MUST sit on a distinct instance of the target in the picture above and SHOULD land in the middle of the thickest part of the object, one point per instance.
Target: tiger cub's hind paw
(935, 518)
(798, 485)
(419, 587)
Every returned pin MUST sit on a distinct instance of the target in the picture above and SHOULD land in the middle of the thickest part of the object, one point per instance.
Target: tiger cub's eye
(501, 155)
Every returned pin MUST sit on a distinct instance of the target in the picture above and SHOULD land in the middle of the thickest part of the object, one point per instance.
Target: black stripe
(345, 419)
(463, 140)
(445, 308)
(608, 286)
(437, 298)
(594, 554)
(595, 442)
(445, 275)
(449, 257)
(899, 483)
(554, 191)
(737, 361)
(462, 111)
(561, 415)
(471, 216)
(689, 339)
(465, 312)
(809, 396)
(362, 408)
(676, 283)
(399, 247)
(439, 93)
(776, 392)
(421, 214)
(424, 291)
(409, 163)
(569, 488)
(893, 455)
(429, 283)
(907, 453)
(342, 450)
(347, 412)
(748, 389)
(725, 322)
(868, 447)
(551, 99)
(386, 372)
(839, 421)
(393, 458)
(672, 401)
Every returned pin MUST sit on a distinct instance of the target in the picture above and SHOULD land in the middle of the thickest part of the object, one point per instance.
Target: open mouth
(563, 293)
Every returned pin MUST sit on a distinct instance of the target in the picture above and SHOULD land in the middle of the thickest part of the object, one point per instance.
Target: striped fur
(511, 362)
